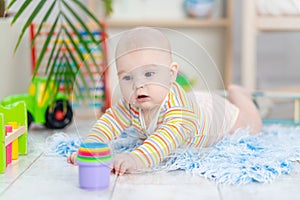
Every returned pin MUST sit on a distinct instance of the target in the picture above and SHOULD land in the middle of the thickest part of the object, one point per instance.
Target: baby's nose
(139, 83)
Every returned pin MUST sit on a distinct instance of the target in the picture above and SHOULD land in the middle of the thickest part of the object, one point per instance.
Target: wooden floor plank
(173, 185)
(53, 178)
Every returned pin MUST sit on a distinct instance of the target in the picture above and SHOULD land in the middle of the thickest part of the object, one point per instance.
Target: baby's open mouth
(142, 98)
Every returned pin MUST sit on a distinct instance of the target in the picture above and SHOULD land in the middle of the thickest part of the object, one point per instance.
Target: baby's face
(145, 77)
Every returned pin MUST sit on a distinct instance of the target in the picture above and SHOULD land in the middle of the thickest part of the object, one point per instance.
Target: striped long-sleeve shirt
(182, 121)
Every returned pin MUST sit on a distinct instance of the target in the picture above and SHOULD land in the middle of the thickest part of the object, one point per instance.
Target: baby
(160, 111)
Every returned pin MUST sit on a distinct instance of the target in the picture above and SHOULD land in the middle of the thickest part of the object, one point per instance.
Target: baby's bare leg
(249, 115)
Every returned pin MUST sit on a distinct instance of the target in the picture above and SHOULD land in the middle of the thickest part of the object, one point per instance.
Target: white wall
(14, 69)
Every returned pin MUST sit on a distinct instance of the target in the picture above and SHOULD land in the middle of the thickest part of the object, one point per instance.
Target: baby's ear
(174, 71)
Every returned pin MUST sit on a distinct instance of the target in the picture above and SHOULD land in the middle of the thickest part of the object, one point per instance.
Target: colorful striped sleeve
(179, 126)
(112, 123)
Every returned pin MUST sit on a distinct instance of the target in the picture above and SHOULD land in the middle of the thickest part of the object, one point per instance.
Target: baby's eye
(149, 74)
(127, 78)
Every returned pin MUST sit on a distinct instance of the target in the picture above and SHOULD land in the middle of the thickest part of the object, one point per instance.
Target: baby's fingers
(71, 158)
(123, 168)
(117, 166)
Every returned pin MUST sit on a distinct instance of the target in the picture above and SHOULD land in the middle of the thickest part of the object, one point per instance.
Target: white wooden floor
(41, 176)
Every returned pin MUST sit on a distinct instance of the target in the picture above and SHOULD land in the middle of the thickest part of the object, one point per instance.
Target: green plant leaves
(30, 19)
(64, 50)
(108, 6)
(45, 46)
(80, 5)
(20, 11)
(42, 22)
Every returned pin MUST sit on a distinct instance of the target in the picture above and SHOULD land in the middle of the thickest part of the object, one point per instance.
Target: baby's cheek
(127, 94)
(160, 93)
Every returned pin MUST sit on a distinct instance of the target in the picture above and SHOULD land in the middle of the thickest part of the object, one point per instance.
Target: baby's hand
(71, 158)
(126, 163)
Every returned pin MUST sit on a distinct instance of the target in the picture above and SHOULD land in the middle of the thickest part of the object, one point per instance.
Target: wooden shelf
(278, 23)
(196, 23)
(253, 24)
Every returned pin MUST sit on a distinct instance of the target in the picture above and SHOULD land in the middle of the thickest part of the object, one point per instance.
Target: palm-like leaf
(63, 66)
(42, 23)
(30, 19)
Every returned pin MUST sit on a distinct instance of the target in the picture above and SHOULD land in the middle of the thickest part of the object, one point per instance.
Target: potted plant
(61, 68)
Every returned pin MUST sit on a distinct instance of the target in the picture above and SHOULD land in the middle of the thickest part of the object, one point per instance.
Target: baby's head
(145, 68)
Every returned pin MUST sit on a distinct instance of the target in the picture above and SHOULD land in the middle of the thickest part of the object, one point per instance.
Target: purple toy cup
(94, 161)
(94, 176)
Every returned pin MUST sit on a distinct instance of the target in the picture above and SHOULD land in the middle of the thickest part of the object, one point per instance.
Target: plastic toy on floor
(39, 105)
(94, 161)
(13, 133)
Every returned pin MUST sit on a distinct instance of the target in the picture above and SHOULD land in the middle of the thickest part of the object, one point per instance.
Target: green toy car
(39, 105)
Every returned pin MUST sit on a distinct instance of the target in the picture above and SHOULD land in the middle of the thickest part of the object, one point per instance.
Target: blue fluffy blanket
(237, 159)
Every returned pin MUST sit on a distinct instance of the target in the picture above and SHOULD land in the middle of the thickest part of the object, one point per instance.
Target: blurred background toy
(199, 8)
(184, 81)
(55, 112)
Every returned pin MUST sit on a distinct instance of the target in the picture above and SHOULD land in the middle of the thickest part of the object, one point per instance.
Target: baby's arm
(113, 122)
(109, 126)
(179, 126)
